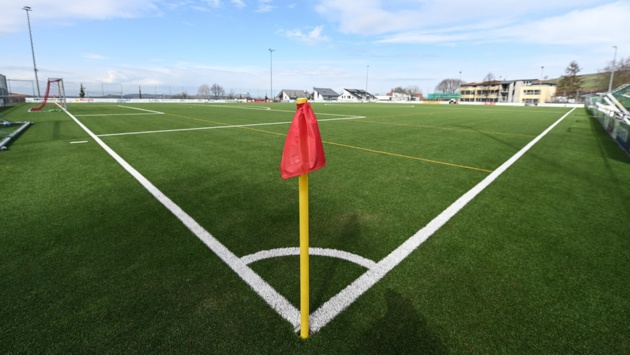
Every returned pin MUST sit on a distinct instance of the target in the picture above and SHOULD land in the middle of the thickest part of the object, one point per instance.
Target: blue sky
(180, 45)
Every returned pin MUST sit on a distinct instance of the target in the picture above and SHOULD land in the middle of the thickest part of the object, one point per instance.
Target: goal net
(55, 93)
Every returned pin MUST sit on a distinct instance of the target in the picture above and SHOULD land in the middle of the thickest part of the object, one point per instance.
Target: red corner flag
(303, 149)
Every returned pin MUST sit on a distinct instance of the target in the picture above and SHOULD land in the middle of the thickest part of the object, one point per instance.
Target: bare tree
(217, 90)
(621, 76)
(203, 92)
(413, 90)
(448, 86)
(489, 77)
(182, 95)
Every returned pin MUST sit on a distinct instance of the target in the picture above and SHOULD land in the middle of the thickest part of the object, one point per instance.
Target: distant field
(155, 240)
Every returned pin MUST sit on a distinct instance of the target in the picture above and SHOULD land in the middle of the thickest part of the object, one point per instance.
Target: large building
(527, 91)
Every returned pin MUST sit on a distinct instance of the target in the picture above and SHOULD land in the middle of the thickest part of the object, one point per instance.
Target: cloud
(12, 17)
(313, 37)
(578, 26)
(238, 3)
(265, 6)
(380, 17)
(93, 56)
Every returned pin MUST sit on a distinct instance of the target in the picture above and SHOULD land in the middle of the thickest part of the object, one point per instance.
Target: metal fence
(133, 91)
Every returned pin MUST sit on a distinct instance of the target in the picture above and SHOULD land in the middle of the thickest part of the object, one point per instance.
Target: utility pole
(612, 72)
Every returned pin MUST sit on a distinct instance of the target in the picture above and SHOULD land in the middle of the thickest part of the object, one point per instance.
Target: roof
(326, 92)
(294, 94)
(359, 92)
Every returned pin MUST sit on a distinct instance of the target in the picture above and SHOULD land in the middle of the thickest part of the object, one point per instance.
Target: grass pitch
(91, 262)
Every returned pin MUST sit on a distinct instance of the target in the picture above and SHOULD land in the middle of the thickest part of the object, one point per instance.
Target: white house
(324, 94)
(292, 95)
(356, 95)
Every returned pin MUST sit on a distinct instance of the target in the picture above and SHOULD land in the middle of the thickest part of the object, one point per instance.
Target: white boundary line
(278, 302)
(141, 109)
(219, 127)
(333, 253)
(329, 310)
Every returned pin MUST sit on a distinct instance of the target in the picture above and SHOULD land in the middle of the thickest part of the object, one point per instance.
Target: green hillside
(591, 82)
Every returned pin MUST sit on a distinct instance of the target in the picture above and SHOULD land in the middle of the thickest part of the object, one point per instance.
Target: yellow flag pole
(304, 274)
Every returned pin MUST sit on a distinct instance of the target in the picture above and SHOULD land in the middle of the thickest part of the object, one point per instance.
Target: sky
(174, 46)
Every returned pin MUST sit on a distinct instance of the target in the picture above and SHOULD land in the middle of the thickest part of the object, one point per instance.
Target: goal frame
(58, 96)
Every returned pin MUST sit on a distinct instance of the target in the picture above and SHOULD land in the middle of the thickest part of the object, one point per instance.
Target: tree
(413, 90)
(81, 91)
(571, 83)
(217, 90)
(489, 77)
(621, 75)
(182, 95)
(203, 92)
(448, 86)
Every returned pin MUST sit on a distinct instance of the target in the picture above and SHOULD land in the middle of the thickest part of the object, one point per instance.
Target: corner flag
(303, 149)
(303, 153)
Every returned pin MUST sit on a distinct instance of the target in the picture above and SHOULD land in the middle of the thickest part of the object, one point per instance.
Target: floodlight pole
(612, 72)
(28, 18)
(542, 70)
(367, 72)
(271, 72)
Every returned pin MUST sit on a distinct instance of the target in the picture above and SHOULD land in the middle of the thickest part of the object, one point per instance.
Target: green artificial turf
(537, 263)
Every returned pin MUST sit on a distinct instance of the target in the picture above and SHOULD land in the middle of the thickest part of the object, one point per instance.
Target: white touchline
(219, 127)
(329, 310)
(278, 302)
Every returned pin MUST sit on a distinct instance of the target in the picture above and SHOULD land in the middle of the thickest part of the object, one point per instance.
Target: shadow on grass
(349, 234)
(402, 330)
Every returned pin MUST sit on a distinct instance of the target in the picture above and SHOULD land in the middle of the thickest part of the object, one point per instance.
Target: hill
(590, 82)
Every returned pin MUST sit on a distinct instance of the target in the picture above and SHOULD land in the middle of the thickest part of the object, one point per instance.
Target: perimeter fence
(133, 91)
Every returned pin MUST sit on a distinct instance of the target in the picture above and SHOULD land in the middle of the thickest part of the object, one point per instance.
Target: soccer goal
(55, 93)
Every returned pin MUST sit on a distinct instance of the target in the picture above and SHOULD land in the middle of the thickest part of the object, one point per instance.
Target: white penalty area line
(329, 310)
(278, 302)
(220, 127)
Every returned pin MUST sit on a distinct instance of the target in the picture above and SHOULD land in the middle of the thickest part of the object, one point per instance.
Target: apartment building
(526, 91)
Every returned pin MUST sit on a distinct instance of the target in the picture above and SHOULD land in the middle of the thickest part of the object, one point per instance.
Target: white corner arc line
(278, 302)
(331, 308)
(333, 253)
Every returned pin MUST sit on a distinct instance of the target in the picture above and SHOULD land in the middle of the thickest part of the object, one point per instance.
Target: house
(324, 94)
(525, 91)
(291, 95)
(356, 95)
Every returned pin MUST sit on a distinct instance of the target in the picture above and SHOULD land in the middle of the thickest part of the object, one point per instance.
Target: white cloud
(213, 3)
(382, 17)
(313, 37)
(574, 27)
(238, 3)
(12, 17)
(265, 6)
(93, 56)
